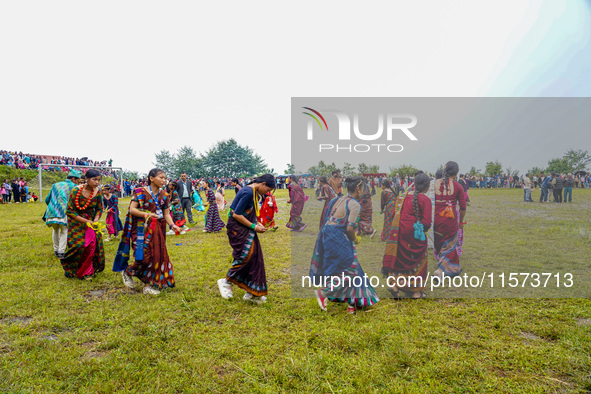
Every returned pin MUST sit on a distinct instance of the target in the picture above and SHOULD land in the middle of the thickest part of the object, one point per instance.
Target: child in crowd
(111, 206)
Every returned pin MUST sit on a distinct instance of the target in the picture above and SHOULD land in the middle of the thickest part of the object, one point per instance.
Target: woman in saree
(297, 198)
(326, 195)
(388, 205)
(145, 233)
(268, 210)
(447, 224)
(220, 196)
(85, 255)
(198, 202)
(213, 222)
(111, 205)
(406, 257)
(366, 216)
(248, 264)
(335, 255)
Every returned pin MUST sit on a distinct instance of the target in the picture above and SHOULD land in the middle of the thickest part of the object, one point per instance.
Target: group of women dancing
(408, 215)
(144, 233)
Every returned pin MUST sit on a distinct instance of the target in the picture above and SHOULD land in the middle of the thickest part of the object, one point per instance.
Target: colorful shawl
(392, 242)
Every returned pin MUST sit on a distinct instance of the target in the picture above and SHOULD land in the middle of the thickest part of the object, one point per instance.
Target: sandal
(421, 294)
(395, 293)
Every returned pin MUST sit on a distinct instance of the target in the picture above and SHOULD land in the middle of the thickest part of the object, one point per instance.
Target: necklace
(255, 200)
(77, 200)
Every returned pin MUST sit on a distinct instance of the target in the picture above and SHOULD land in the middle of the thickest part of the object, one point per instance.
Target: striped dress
(213, 221)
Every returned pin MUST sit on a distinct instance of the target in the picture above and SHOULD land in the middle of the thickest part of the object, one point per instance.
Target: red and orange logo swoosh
(315, 118)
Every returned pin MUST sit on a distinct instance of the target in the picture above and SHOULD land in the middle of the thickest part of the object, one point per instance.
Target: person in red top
(406, 249)
(268, 211)
(447, 227)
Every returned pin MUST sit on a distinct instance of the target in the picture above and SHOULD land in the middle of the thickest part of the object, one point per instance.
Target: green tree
(362, 168)
(165, 161)
(577, 160)
(348, 170)
(228, 158)
(127, 174)
(560, 165)
(186, 160)
(322, 169)
(290, 169)
(374, 169)
(536, 171)
(493, 168)
(473, 171)
(402, 170)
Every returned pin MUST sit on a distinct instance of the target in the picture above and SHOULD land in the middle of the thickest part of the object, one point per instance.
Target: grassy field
(97, 336)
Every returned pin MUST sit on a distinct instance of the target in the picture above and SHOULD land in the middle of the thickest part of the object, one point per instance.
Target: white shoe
(170, 232)
(127, 280)
(183, 232)
(374, 233)
(322, 300)
(151, 290)
(257, 300)
(439, 273)
(225, 289)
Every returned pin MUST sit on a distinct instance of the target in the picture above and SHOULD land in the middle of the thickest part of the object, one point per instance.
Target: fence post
(40, 187)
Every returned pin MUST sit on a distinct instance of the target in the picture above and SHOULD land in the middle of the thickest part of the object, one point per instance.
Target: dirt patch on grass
(223, 370)
(106, 293)
(94, 354)
(21, 320)
(529, 336)
(583, 322)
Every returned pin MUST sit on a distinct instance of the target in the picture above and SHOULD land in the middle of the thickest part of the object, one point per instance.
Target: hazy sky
(126, 79)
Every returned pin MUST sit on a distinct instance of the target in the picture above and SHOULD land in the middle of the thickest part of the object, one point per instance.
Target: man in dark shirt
(16, 190)
(185, 190)
(558, 185)
(569, 182)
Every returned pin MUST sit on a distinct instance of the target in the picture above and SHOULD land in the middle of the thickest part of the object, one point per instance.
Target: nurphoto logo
(394, 125)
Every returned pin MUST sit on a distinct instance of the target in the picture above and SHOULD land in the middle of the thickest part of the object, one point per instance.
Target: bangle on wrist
(253, 225)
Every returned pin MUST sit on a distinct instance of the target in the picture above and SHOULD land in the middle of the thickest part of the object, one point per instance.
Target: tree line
(571, 162)
(226, 158)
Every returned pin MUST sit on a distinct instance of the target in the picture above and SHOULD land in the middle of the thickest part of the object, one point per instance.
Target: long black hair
(267, 179)
(154, 172)
(353, 182)
(451, 168)
(92, 173)
(422, 183)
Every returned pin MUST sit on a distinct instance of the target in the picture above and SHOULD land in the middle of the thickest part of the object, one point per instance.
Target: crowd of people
(28, 161)
(420, 212)
(17, 191)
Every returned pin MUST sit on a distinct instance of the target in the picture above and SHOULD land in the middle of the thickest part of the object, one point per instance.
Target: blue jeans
(527, 195)
(544, 195)
(568, 191)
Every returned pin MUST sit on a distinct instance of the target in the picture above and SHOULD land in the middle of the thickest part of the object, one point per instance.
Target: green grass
(58, 334)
